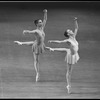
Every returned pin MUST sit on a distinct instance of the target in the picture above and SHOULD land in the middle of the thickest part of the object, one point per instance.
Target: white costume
(38, 49)
(72, 55)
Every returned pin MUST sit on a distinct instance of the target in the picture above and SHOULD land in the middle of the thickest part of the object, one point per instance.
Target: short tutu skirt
(38, 49)
(71, 59)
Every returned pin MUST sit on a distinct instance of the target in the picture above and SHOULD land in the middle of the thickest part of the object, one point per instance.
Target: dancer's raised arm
(76, 26)
(45, 17)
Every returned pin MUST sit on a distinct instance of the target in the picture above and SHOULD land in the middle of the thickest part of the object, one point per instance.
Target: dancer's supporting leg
(36, 65)
(69, 68)
(68, 77)
(36, 57)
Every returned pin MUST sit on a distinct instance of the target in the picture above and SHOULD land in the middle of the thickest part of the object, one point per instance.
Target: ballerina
(38, 45)
(71, 50)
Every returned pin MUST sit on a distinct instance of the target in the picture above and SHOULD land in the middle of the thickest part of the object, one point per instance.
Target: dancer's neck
(39, 28)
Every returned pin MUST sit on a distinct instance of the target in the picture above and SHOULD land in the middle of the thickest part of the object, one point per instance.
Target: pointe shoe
(37, 77)
(68, 88)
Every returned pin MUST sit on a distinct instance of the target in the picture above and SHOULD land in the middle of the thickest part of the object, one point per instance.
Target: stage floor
(17, 74)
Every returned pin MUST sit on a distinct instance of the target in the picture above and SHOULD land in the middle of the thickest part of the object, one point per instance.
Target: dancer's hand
(49, 41)
(75, 18)
(51, 49)
(15, 41)
(19, 43)
(45, 10)
(25, 31)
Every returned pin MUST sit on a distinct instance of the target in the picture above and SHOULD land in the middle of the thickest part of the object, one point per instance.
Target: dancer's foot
(37, 77)
(68, 88)
(19, 43)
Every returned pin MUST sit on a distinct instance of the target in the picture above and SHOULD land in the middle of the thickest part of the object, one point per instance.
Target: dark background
(59, 13)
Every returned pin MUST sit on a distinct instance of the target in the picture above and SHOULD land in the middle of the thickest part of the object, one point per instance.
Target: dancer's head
(38, 22)
(68, 33)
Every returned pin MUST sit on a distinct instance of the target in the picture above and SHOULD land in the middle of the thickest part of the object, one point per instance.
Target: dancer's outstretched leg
(36, 65)
(36, 57)
(24, 43)
(68, 77)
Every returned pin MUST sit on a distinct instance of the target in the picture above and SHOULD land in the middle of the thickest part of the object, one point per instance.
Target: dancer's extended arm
(57, 41)
(56, 49)
(59, 49)
(29, 32)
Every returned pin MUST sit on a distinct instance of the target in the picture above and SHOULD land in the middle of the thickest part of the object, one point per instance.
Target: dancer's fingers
(49, 41)
(24, 32)
(75, 18)
(15, 41)
(51, 49)
(19, 43)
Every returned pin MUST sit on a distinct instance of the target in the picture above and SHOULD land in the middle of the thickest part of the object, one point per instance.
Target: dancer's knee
(36, 58)
(69, 67)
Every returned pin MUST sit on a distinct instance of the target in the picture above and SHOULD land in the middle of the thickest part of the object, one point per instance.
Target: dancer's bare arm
(56, 49)
(45, 17)
(59, 49)
(49, 48)
(76, 26)
(57, 41)
(18, 42)
(24, 43)
(29, 32)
